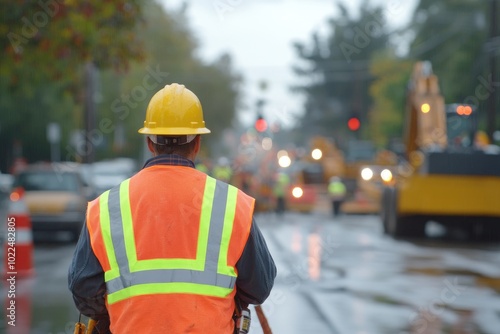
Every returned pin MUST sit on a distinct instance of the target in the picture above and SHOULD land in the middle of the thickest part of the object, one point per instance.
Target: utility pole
(493, 98)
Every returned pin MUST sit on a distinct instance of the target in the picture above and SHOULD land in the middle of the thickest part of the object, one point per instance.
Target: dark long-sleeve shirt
(256, 268)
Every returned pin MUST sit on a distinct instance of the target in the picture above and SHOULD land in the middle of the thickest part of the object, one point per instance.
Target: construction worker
(170, 249)
(280, 188)
(222, 171)
(202, 167)
(337, 192)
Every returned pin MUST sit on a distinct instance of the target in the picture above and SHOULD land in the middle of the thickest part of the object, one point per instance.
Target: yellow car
(55, 196)
(367, 195)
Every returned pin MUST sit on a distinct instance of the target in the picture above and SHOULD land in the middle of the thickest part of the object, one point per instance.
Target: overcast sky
(259, 36)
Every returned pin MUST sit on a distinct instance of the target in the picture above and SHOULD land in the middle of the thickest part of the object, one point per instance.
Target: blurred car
(104, 175)
(55, 195)
(301, 198)
(302, 195)
(6, 181)
(368, 193)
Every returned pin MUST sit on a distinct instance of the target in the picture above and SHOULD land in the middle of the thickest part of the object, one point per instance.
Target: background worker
(280, 187)
(170, 249)
(202, 166)
(337, 192)
(222, 171)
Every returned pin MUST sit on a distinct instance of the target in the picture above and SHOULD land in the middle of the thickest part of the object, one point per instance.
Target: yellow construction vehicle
(447, 178)
(363, 194)
(365, 178)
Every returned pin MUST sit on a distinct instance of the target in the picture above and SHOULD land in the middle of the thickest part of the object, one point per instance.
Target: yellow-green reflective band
(194, 264)
(223, 268)
(208, 273)
(128, 228)
(168, 288)
(104, 222)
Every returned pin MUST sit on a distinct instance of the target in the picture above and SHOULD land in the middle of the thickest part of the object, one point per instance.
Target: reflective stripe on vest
(207, 274)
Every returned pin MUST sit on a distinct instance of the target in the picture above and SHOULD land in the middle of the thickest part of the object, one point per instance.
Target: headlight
(366, 174)
(386, 175)
(297, 192)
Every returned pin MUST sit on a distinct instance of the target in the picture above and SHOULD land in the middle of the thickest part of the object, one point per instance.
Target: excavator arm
(425, 127)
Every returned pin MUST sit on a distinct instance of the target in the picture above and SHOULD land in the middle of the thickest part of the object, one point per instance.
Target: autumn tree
(45, 45)
(136, 47)
(170, 50)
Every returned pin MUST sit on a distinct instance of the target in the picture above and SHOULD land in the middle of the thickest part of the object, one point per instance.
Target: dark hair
(183, 150)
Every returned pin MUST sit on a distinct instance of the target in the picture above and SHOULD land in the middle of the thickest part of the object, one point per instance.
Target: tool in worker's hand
(263, 320)
(79, 326)
(90, 326)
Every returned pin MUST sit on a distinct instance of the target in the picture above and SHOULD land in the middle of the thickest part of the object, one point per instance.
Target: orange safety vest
(168, 240)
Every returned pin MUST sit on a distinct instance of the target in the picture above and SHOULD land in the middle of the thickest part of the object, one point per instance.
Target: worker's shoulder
(239, 191)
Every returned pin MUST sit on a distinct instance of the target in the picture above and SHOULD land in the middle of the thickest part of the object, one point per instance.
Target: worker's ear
(197, 144)
(150, 145)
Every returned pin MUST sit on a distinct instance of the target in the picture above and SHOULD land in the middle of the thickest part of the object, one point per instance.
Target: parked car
(56, 197)
(107, 174)
(6, 181)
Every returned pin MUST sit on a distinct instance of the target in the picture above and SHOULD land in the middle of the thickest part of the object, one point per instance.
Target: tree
(337, 70)
(41, 80)
(170, 51)
(452, 36)
(45, 45)
(388, 90)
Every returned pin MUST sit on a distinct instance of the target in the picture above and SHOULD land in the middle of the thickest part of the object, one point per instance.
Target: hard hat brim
(173, 131)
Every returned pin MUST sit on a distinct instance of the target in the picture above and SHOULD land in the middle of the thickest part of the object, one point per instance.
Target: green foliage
(338, 70)
(349, 74)
(46, 45)
(452, 36)
(389, 94)
(170, 50)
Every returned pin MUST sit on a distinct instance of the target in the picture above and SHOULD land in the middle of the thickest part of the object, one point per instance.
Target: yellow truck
(363, 194)
(448, 179)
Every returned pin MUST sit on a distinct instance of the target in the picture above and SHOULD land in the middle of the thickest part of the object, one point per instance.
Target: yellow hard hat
(174, 110)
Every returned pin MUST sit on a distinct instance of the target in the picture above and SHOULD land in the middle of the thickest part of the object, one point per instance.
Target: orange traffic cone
(18, 255)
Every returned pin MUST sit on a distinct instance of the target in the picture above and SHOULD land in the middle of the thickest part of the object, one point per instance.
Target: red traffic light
(353, 123)
(261, 125)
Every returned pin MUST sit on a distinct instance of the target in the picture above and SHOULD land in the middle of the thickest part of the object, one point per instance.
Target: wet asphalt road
(334, 276)
(345, 276)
